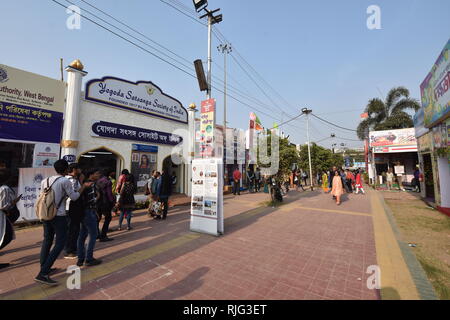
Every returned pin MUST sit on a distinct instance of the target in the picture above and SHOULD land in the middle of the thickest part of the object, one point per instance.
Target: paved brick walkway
(308, 248)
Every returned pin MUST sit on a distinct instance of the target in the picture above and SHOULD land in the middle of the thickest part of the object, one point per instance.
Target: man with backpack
(89, 222)
(51, 210)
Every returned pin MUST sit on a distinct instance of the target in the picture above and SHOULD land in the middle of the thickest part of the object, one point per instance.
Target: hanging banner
(207, 196)
(207, 128)
(29, 187)
(240, 146)
(230, 149)
(45, 155)
(142, 96)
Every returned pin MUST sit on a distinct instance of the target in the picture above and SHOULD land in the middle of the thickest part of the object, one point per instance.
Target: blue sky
(316, 54)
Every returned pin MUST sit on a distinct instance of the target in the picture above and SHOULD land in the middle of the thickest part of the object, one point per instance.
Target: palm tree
(389, 114)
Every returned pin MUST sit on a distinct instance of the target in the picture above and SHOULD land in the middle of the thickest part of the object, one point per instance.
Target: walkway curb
(423, 285)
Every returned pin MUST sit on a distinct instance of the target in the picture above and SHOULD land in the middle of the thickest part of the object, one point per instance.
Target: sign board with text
(119, 131)
(142, 96)
(45, 155)
(435, 90)
(207, 196)
(31, 106)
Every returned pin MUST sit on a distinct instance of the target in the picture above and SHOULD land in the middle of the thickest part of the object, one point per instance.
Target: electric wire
(162, 59)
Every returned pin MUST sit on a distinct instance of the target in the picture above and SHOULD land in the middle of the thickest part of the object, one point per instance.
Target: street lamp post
(306, 111)
(212, 19)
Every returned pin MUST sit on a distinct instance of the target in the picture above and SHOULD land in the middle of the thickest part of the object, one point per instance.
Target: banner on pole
(207, 127)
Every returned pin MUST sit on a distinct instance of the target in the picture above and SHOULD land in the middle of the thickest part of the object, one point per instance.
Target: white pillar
(191, 147)
(69, 142)
(444, 181)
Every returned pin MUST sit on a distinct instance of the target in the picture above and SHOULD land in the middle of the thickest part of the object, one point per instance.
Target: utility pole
(307, 111)
(211, 20)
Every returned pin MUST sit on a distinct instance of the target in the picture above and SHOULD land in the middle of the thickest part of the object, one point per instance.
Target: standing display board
(207, 196)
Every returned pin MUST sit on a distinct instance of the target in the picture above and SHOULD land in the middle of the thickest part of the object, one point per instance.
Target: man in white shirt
(63, 189)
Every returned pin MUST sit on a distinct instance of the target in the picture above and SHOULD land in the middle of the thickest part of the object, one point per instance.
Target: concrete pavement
(307, 248)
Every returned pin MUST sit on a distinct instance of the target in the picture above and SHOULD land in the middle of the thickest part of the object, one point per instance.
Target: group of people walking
(338, 182)
(80, 201)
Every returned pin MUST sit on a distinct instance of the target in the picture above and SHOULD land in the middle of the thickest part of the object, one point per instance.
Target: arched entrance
(101, 158)
(170, 167)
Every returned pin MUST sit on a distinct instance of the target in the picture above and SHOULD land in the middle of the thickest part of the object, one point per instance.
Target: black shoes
(46, 280)
(93, 262)
(105, 239)
(4, 265)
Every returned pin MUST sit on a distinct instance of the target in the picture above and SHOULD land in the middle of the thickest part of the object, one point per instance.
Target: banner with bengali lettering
(120, 131)
(207, 128)
(24, 123)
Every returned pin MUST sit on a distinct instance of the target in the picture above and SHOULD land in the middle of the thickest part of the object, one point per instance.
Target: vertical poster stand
(207, 196)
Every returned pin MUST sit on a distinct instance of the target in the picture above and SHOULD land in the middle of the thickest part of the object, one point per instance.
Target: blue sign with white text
(25, 123)
(145, 148)
(119, 131)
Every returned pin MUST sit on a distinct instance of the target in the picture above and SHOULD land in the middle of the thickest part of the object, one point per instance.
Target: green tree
(287, 156)
(322, 159)
(389, 114)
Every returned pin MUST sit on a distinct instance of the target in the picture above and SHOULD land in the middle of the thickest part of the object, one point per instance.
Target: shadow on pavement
(160, 231)
(181, 288)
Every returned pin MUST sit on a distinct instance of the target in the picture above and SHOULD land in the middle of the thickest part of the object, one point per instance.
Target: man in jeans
(237, 181)
(105, 204)
(89, 222)
(74, 211)
(62, 189)
(164, 191)
(257, 179)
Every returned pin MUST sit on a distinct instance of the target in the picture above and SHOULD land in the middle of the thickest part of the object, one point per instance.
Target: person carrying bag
(8, 211)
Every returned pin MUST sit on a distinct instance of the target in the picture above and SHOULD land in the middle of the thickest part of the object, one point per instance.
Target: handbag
(12, 214)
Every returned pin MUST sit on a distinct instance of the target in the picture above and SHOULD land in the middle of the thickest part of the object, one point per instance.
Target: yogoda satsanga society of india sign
(141, 96)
